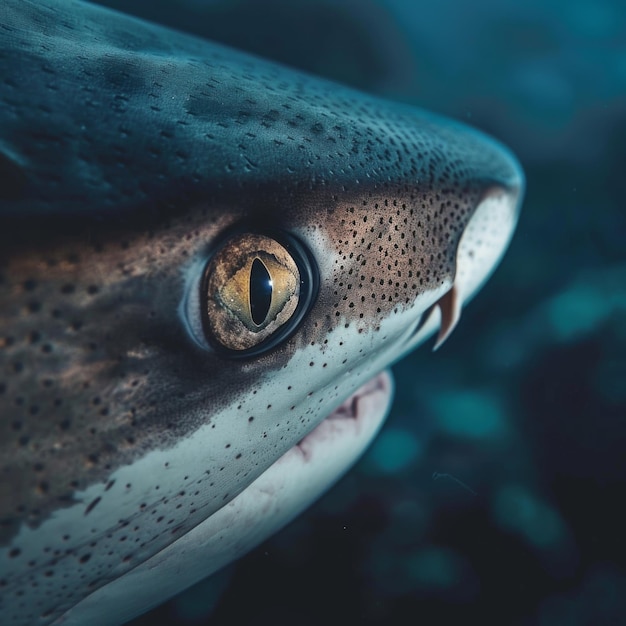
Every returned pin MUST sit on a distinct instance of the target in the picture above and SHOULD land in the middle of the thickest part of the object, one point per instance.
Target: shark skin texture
(139, 166)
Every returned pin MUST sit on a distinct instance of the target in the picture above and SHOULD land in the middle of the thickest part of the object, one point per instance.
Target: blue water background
(496, 493)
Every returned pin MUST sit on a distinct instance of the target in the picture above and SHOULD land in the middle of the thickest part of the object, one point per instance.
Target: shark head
(208, 263)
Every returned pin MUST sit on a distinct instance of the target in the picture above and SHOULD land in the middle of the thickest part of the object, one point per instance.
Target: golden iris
(252, 287)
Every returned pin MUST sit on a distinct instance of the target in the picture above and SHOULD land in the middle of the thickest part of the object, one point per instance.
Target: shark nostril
(481, 246)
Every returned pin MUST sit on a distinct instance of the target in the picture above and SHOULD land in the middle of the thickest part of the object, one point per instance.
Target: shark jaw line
(283, 491)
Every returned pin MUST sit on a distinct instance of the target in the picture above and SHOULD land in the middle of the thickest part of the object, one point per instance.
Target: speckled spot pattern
(130, 152)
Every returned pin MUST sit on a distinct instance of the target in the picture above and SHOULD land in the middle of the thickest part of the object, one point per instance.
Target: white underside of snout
(276, 497)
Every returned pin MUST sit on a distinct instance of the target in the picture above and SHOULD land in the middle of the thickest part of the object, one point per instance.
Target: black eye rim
(309, 290)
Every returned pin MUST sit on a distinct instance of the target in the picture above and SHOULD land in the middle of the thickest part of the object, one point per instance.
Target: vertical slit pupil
(260, 291)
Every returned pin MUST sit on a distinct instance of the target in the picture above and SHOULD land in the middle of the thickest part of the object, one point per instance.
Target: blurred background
(496, 493)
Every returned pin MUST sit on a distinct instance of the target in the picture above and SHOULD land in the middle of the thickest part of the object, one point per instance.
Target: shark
(208, 263)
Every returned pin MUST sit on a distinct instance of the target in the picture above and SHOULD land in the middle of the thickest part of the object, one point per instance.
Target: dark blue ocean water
(496, 493)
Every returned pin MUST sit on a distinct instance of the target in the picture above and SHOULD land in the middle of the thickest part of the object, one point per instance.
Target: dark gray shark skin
(128, 152)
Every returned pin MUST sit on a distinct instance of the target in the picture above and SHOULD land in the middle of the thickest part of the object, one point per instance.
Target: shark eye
(256, 290)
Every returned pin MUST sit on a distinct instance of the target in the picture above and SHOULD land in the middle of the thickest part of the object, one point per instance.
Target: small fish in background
(208, 263)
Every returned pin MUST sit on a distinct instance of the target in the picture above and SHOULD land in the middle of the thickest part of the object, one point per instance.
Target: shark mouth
(272, 500)
(369, 402)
